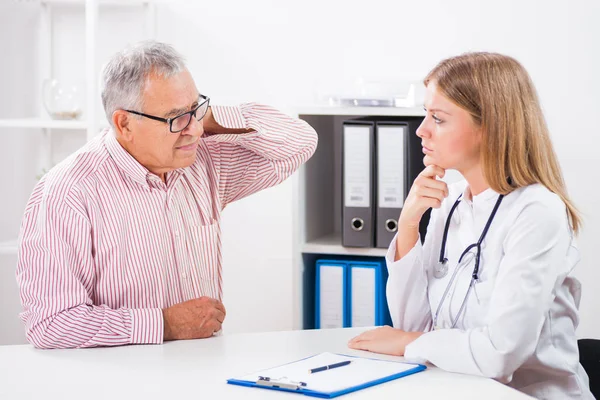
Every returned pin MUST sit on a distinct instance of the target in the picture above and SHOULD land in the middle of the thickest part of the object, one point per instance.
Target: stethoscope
(441, 268)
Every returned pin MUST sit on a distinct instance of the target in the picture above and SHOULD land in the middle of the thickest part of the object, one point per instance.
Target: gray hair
(125, 75)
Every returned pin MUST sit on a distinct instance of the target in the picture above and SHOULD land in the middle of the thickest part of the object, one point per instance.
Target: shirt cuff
(409, 258)
(147, 326)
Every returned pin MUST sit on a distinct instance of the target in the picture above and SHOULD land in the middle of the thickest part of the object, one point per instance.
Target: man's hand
(193, 319)
(211, 127)
(384, 340)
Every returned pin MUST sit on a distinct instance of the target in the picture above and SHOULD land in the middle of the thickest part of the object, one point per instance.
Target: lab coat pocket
(204, 248)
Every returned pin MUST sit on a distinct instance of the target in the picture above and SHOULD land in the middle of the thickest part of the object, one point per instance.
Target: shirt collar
(132, 168)
(125, 161)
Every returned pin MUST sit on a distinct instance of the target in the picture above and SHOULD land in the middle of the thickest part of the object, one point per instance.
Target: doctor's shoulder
(537, 203)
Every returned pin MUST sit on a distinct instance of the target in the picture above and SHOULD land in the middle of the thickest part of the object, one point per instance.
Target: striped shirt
(105, 245)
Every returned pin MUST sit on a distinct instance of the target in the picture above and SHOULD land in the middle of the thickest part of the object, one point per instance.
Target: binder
(367, 296)
(359, 374)
(330, 291)
(392, 178)
(357, 176)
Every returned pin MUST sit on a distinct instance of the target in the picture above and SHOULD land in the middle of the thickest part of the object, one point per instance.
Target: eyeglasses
(180, 122)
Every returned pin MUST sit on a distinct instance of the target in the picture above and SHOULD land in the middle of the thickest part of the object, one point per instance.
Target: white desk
(198, 370)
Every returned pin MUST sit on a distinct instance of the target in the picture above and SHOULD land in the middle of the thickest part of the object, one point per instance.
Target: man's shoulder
(65, 180)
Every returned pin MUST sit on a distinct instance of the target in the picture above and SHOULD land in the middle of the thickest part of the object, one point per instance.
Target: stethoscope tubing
(443, 260)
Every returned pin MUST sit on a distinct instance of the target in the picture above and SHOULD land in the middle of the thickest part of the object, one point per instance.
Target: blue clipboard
(301, 388)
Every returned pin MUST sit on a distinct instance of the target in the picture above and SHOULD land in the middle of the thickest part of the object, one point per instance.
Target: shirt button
(184, 275)
(176, 233)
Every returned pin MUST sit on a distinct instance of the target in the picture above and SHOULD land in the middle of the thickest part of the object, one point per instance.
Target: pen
(326, 367)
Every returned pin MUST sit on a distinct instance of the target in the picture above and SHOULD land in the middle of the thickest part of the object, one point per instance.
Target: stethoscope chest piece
(441, 269)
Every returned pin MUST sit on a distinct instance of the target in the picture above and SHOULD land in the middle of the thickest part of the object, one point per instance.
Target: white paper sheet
(331, 295)
(390, 166)
(357, 166)
(358, 372)
(363, 297)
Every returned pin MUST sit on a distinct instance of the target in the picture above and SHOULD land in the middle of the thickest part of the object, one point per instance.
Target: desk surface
(199, 369)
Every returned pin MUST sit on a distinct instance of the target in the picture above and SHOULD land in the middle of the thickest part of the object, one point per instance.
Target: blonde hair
(516, 147)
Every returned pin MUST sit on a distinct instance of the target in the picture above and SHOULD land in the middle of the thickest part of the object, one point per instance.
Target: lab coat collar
(488, 195)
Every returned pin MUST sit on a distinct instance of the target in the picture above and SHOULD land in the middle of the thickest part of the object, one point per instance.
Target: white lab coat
(519, 322)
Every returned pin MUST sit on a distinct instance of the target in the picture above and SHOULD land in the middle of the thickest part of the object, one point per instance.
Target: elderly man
(120, 243)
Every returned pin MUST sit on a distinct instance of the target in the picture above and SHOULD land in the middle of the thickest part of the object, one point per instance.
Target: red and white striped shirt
(105, 245)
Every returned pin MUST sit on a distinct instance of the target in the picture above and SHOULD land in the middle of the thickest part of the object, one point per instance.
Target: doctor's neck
(475, 178)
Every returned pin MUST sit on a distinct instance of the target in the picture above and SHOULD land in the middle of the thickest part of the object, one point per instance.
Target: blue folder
(344, 293)
(296, 387)
(381, 312)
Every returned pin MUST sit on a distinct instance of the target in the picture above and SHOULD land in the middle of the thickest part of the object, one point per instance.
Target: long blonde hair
(516, 147)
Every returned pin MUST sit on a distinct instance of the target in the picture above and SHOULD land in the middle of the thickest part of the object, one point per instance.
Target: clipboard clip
(282, 383)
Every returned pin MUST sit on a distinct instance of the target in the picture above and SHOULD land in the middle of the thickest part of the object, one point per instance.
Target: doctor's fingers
(432, 193)
(369, 335)
(433, 170)
(359, 345)
(425, 181)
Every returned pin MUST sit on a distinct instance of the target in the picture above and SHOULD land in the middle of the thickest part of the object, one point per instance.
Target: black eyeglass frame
(205, 100)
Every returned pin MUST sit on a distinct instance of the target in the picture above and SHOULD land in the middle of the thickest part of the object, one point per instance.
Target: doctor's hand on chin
(384, 340)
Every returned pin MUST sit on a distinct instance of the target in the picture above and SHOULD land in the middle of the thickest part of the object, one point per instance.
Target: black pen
(326, 367)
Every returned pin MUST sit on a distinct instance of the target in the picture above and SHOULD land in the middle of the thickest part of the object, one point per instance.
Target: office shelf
(43, 123)
(9, 247)
(100, 2)
(47, 123)
(371, 111)
(319, 199)
(332, 244)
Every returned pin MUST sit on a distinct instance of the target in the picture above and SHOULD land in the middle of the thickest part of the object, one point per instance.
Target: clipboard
(361, 373)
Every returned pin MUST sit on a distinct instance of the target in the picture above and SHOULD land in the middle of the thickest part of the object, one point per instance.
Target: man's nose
(195, 128)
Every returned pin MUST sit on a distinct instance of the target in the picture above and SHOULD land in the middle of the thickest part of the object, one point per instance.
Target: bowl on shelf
(62, 101)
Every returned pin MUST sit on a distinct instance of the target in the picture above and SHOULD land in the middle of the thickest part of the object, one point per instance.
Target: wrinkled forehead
(170, 94)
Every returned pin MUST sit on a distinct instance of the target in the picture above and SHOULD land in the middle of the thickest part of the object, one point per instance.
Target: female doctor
(491, 290)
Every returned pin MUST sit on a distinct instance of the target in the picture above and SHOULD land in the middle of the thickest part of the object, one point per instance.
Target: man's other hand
(193, 319)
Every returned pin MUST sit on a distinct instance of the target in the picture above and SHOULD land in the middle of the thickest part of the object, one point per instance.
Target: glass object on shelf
(375, 93)
(62, 101)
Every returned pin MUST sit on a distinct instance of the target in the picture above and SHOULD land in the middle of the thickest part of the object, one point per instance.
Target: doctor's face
(449, 136)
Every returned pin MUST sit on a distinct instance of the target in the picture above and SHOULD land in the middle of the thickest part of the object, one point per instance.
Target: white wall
(18, 147)
(284, 53)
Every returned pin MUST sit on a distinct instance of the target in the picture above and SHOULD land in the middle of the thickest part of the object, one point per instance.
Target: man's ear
(122, 122)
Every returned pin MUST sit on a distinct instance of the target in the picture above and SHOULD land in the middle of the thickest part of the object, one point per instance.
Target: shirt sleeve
(407, 281)
(247, 163)
(536, 248)
(56, 277)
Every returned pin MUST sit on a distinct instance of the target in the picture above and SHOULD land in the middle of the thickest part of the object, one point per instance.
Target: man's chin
(185, 162)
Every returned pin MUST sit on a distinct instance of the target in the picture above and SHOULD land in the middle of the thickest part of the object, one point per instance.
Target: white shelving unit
(91, 123)
(46, 123)
(318, 199)
(364, 111)
(332, 244)
(9, 247)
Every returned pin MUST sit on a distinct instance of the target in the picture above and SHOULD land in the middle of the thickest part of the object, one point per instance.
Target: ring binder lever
(283, 383)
